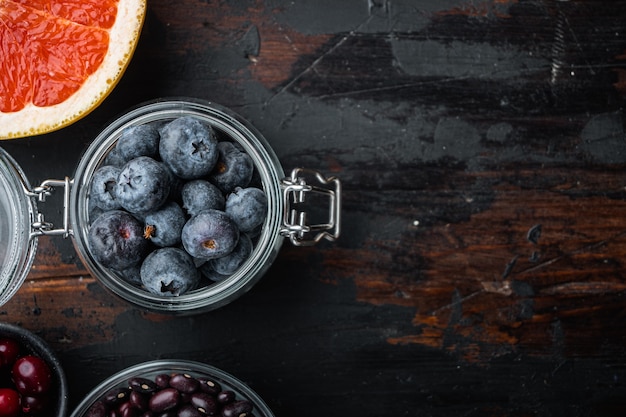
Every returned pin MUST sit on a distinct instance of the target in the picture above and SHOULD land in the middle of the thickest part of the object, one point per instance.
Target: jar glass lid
(17, 213)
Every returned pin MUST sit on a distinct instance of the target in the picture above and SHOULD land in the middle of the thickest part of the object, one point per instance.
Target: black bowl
(35, 345)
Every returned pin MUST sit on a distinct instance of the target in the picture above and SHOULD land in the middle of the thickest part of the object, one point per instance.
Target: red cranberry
(31, 375)
(9, 403)
(34, 406)
(9, 351)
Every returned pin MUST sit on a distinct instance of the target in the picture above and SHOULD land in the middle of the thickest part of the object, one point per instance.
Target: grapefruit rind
(123, 38)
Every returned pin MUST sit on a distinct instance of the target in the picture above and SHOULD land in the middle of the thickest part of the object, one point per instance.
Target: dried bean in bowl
(175, 393)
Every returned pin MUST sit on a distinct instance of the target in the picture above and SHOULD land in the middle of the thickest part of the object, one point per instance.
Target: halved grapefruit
(60, 58)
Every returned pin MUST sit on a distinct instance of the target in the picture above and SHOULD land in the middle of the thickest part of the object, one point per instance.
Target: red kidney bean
(225, 397)
(184, 383)
(127, 410)
(116, 396)
(189, 411)
(241, 408)
(205, 403)
(185, 397)
(139, 400)
(142, 385)
(164, 400)
(162, 380)
(209, 386)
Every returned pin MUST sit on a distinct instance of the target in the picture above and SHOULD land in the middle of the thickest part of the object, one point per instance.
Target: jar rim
(270, 171)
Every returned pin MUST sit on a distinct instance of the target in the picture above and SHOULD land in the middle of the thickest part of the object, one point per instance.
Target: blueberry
(210, 234)
(103, 186)
(199, 261)
(188, 147)
(143, 185)
(247, 207)
(136, 141)
(164, 226)
(169, 272)
(233, 168)
(256, 232)
(228, 264)
(116, 240)
(94, 210)
(131, 275)
(207, 271)
(198, 195)
(114, 158)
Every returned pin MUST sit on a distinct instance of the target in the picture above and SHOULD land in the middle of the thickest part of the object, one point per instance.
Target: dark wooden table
(481, 269)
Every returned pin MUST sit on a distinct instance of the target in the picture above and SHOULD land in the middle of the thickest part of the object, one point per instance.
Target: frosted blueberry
(198, 195)
(142, 185)
(116, 240)
(188, 147)
(114, 158)
(210, 234)
(233, 168)
(131, 275)
(247, 207)
(94, 210)
(207, 271)
(169, 272)
(136, 141)
(164, 226)
(102, 190)
(228, 264)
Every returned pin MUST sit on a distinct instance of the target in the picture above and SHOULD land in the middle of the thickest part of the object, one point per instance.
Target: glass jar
(151, 369)
(21, 223)
(17, 214)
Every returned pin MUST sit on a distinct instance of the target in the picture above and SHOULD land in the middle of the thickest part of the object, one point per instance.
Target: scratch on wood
(315, 63)
(420, 83)
(483, 8)
(534, 257)
(558, 337)
(558, 47)
(534, 233)
(585, 288)
(457, 302)
(509, 267)
(583, 249)
(309, 68)
(578, 45)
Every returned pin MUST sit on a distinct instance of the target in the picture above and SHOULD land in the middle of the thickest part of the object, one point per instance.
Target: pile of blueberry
(175, 206)
(171, 395)
(26, 383)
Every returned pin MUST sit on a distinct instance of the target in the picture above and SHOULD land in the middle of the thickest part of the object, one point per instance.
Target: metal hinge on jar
(40, 226)
(295, 220)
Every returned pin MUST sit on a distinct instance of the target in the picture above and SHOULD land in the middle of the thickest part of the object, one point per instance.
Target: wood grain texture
(481, 149)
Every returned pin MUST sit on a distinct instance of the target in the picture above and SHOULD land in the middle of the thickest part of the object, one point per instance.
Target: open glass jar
(219, 380)
(21, 223)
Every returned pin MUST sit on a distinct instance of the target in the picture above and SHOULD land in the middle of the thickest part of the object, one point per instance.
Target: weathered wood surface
(482, 150)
